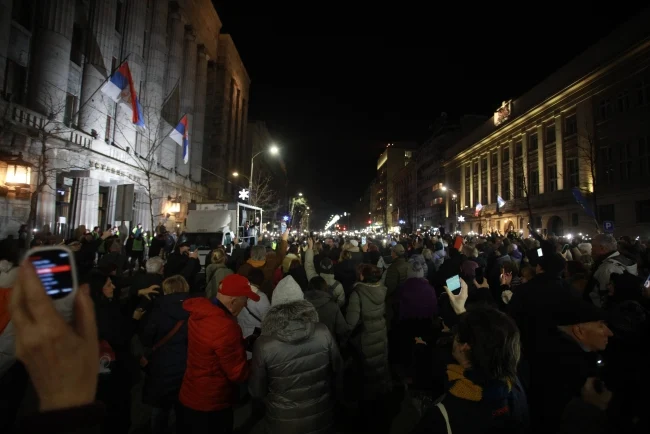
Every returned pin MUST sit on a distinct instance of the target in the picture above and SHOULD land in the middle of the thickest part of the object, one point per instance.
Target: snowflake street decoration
(461, 218)
(243, 194)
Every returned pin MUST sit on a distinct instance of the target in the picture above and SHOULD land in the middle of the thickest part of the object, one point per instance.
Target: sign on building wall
(124, 201)
(503, 113)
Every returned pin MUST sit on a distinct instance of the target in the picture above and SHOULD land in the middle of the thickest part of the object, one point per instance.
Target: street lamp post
(454, 197)
(273, 150)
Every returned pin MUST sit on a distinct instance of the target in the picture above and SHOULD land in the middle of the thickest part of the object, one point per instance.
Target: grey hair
(427, 254)
(155, 265)
(258, 253)
(607, 241)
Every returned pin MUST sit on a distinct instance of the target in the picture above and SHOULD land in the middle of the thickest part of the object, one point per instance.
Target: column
(586, 148)
(511, 168)
(133, 43)
(559, 152)
(5, 35)
(479, 199)
(499, 171)
(171, 111)
(196, 156)
(94, 108)
(85, 203)
(46, 207)
(51, 59)
(471, 185)
(541, 142)
(154, 93)
(524, 161)
(110, 205)
(488, 179)
(461, 193)
(187, 95)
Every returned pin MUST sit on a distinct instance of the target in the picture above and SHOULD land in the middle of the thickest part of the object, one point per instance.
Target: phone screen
(193, 248)
(647, 282)
(55, 272)
(565, 248)
(363, 241)
(540, 253)
(283, 227)
(453, 283)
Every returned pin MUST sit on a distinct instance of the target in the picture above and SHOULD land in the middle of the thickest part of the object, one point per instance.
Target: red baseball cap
(236, 285)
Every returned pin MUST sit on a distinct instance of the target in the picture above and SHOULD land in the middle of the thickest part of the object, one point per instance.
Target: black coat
(167, 364)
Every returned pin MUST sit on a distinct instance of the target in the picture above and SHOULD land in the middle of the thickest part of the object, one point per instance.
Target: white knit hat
(287, 291)
(354, 243)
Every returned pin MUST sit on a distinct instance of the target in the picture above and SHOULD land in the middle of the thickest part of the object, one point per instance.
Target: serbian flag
(180, 135)
(120, 89)
(478, 209)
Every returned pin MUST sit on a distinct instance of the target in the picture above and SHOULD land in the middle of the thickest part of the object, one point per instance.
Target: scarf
(462, 386)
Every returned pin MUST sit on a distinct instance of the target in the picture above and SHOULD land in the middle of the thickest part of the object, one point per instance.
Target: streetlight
(235, 174)
(454, 197)
(300, 194)
(273, 150)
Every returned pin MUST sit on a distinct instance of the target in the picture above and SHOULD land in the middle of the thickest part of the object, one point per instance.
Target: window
(475, 195)
(643, 211)
(575, 219)
(467, 201)
(570, 126)
(506, 154)
(605, 109)
(519, 185)
(625, 161)
(505, 188)
(532, 143)
(15, 79)
(552, 177)
(484, 193)
(644, 155)
(118, 16)
(572, 169)
(70, 109)
(77, 45)
(550, 134)
(533, 183)
(484, 164)
(475, 167)
(606, 169)
(623, 102)
(22, 12)
(468, 171)
(495, 159)
(107, 136)
(519, 149)
(643, 93)
(495, 190)
(607, 212)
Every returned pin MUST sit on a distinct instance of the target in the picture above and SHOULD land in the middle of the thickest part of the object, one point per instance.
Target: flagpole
(100, 86)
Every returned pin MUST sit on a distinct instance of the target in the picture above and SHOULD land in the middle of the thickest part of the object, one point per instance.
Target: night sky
(336, 84)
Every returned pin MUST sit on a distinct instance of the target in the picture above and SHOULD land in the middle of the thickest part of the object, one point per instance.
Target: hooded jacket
(216, 359)
(335, 285)
(329, 313)
(292, 367)
(365, 316)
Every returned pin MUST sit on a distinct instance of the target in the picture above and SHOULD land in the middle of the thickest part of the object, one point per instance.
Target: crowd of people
(542, 335)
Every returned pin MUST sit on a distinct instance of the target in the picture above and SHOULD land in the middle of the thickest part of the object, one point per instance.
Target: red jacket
(216, 358)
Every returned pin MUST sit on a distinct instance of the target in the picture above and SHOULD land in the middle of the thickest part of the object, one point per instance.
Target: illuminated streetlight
(273, 150)
(300, 194)
(235, 174)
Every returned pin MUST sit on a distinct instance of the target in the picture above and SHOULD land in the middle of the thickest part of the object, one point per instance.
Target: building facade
(89, 164)
(390, 162)
(584, 129)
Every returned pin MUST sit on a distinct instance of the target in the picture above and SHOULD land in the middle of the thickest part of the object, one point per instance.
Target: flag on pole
(500, 201)
(180, 134)
(479, 207)
(120, 89)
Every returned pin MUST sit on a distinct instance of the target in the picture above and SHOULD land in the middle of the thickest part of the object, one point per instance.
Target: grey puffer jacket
(292, 369)
(329, 313)
(367, 305)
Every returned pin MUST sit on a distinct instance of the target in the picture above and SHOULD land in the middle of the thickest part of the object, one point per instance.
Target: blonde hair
(175, 284)
(218, 256)
(345, 255)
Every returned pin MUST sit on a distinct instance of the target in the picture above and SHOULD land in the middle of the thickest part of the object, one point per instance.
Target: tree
(262, 194)
(588, 155)
(47, 135)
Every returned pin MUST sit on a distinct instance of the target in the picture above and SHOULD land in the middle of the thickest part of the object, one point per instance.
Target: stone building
(98, 168)
(389, 163)
(586, 127)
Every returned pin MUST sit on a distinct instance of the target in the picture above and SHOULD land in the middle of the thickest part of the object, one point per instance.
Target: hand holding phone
(55, 268)
(453, 284)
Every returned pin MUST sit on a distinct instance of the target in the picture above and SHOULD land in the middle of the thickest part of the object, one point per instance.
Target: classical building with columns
(98, 168)
(586, 127)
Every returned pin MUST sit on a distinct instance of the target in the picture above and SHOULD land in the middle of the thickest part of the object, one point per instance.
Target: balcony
(519, 205)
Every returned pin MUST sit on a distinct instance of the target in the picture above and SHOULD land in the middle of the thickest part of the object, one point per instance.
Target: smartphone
(458, 243)
(479, 275)
(363, 240)
(453, 283)
(283, 227)
(55, 268)
(647, 282)
(565, 248)
(193, 248)
(540, 253)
